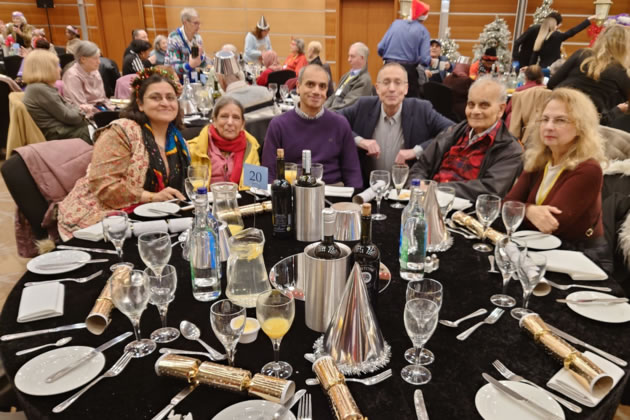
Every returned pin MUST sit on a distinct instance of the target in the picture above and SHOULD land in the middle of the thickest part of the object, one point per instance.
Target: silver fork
(508, 374)
(372, 380)
(490, 319)
(113, 371)
(79, 280)
(581, 286)
(305, 409)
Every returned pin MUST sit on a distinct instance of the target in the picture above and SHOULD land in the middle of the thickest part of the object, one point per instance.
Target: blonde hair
(587, 144)
(40, 66)
(548, 26)
(611, 47)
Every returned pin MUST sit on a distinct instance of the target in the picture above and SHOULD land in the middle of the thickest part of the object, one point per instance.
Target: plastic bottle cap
(415, 182)
(202, 190)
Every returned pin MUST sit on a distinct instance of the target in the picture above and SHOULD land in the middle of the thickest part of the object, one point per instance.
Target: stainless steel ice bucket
(309, 203)
(348, 221)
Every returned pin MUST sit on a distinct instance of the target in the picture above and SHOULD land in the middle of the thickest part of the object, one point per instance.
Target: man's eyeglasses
(396, 82)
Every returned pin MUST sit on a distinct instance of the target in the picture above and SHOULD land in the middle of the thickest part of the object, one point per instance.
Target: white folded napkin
(41, 301)
(590, 400)
(179, 225)
(93, 233)
(153, 226)
(366, 196)
(574, 263)
(333, 191)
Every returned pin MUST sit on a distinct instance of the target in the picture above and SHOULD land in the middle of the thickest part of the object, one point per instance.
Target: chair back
(6, 86)
(103, 118)
(12, 65)
(123, 86)
(441, 97)
(280, 77)
(526, 106)
(65, 59)
(109, 73)
(60, 49)
(22, 128)
(258, 129)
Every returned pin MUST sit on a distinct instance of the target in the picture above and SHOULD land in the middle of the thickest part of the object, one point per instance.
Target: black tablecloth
(139, 394)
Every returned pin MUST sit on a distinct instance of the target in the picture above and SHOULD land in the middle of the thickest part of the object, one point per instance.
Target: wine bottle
(216, 91)
(367, 255)
(306, 179)
(194, 50)
(281, 194)
(327, 249)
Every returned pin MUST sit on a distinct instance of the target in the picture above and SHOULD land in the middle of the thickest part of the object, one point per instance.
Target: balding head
(486, 103)
(358, 55)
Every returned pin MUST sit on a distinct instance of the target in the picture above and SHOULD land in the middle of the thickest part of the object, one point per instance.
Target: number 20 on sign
(255, 176)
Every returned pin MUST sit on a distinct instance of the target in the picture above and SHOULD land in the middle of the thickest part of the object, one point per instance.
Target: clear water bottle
(414, 189)
(413, 246)
(205, 265)
(520, 81)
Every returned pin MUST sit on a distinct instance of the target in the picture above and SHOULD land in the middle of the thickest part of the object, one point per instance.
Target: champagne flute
(162, 286)
(423, 289)
(130, 293)
(228, 321)
(284, 92)
(379, 182)
(445, 198)
(115, 226)
(530, 270)
(505, 254)
(512, 214)
(399, 177)
(487, 208)
(290, 172)
(275, 312)
(421, 317)
(155, 250)
(273, 89)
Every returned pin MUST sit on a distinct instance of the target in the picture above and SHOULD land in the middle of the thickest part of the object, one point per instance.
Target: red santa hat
(419, 10)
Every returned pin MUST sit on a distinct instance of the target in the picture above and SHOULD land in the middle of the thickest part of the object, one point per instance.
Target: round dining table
(138, 393)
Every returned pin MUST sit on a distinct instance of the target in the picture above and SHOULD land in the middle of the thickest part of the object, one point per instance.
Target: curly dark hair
(132, 111)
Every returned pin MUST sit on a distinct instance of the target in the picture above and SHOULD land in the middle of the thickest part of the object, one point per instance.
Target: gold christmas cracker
(98, 319)
(177, 366)
(476, 227)
(270, 388)
(333, 383)
(223, 377)
(327, 372)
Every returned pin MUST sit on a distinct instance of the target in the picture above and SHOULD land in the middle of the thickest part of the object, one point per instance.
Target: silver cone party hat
(353, 338)
(226, 63)
(437, 236)
(262, 24)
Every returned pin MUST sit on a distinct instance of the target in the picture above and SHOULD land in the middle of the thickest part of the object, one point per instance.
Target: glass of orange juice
(275, 312)
(290, 172)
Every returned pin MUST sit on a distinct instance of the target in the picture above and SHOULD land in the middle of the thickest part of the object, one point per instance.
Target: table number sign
(255, 176)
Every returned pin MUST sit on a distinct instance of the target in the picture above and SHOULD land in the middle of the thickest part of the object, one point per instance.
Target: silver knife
(168, 213)
(175, 400)
(72, 366)
(421, 409)
(52, 266)
(80, 248)
(519, 397)
(9, 337)
(596, 300)
(579, 342)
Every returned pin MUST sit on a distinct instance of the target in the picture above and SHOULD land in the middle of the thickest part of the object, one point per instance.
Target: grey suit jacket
(346, 95)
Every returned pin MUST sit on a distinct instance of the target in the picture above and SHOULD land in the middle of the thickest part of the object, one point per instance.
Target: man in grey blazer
(354, 84)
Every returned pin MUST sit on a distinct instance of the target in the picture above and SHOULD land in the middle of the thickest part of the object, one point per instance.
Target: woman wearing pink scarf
(270, 61)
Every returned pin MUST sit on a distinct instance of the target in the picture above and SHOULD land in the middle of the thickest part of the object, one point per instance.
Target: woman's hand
(543, 217)
(166, 194)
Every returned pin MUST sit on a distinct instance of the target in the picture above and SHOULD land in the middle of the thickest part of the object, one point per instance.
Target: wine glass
(275, 312)
(130, 293)
(512, 214)
(273, 89)
(228, 321)
(423, 289)
(506, 254)
(284, 92)
(155, 250)
(379, 182)
(399, 177)
(198, 171)
(192, 184)
(445, 199)
(487, 208)
(530, 270)
(162, 286)
(203, 101)
(421, 317)
(115, 227)
(317, 170)
(290, 172)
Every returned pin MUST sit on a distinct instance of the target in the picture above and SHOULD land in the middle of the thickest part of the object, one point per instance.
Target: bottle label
(366, 276)
(281, 222)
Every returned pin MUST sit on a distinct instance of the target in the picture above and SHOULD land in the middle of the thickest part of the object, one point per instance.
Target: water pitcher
(225, 207)
(246, 272)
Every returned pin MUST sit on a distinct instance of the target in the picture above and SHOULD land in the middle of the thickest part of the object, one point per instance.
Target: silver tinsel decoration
(543, 11)
(449, 47)
(356, 369)
(497, 35)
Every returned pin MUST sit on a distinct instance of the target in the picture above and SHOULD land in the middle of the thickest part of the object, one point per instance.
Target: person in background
(439, 65)
(185, 40)
(257, 42)
(459, 81)
(224, 146)
(134, 61)
(56, 118)
(271, 64)
(135, 34)
(312, 56)
(533, 78)
(484, 64)
(74, 37)
(19, 29)
(160, 47)
(354, 84)
(140, 158)
(296, 59)
(83, 85)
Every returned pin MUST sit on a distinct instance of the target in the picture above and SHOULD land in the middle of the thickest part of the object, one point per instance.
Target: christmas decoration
(543, 11)
(449, 47)
(497, 35)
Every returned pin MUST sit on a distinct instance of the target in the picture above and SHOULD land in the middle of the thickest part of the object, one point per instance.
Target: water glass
(399, 177)
(284, 92)
(192, 184)
(423, 289)
(530, 270)
(162, 286)
(421, 317)
(487, 208)
(512, 214)
(130, 293)
(228, 321)
(506, 255)
(203, 100)
(115, 227)
(445, 199)
(198, 171)
(275, 312)
(379, 182)
(155, 250)
(273, 89)
(317, 170)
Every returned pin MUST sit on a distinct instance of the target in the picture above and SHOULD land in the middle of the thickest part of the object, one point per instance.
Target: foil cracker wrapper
(333, 382)
(476, 227)
(99, 317)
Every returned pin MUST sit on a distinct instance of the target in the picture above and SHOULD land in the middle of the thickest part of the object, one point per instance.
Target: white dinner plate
(613, 313)
(493, 404)
(58, 257)
(539, 241)
(30, 378)
(251, 410)
(404, 195)
(143, 210)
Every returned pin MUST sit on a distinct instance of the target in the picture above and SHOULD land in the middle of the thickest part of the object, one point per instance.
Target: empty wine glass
(155, 250)
(284, 92)
(192, 184)
(130, 293)
(198, 171)
(487, 208)
(275, 312)
(506, 255)
(445, 198)
(317, 170)
(115, 226)
(203, 100)
(228, 321)
(162, 286)
(423, 289)
(512, 214)
(530, 270)
(399, 177)
(379, 182)
(421, 317)
(273, 89)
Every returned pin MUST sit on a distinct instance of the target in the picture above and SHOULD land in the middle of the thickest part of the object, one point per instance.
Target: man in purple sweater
(310, 126)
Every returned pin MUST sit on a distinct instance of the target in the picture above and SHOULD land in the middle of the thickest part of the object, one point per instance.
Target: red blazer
(578, 193)
(262, 80)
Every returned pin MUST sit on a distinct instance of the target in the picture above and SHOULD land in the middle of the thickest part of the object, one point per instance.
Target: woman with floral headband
(74, 38)
(19, 29)
(139, 158)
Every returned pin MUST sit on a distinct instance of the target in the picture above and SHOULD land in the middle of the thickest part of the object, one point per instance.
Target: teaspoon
(191, 332)
(58, 343)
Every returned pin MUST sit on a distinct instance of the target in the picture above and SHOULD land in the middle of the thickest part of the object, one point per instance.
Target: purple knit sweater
(329, 138)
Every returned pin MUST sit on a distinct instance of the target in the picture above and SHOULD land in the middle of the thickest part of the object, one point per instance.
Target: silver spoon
(455, 324)
(183, 237)
(58, 343)
(191, 332)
